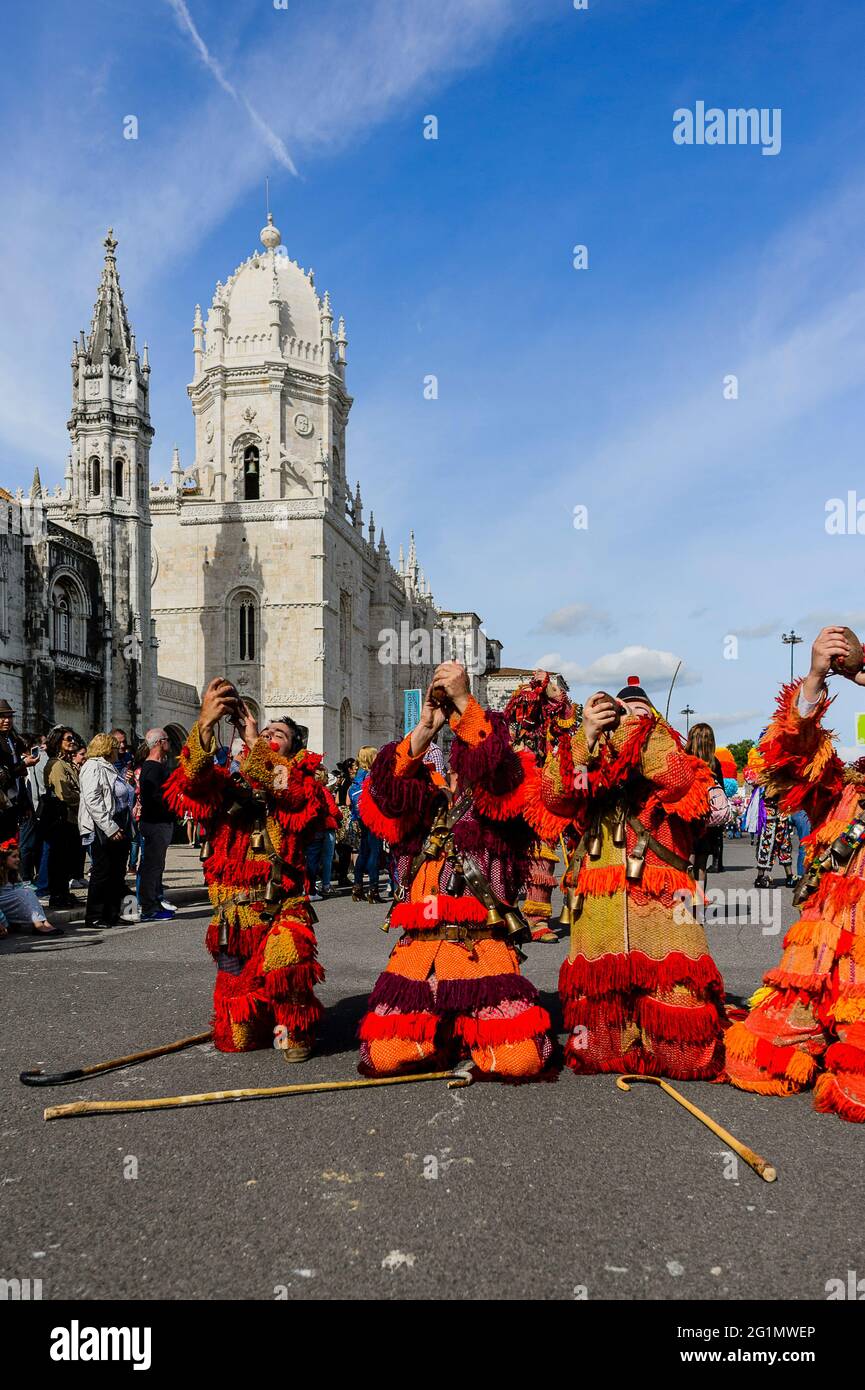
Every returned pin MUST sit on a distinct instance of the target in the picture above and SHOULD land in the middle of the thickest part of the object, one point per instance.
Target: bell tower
(108, 491)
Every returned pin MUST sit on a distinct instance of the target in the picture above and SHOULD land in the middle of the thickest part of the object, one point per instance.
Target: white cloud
(574, 618)
(655, 669)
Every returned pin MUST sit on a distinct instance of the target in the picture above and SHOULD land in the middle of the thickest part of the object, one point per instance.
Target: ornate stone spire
(110, 334)
(36, 485)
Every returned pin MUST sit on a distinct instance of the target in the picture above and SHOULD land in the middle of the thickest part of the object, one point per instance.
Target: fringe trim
(781, 1063)
(829, 1098)
(461, 996)
(679, 1023)
(635, 970)
(693, 804)
(437, 909)
(386, 827)
(509, 803)
(397, 992)
(288, 980)
(489, 1032)
(844, 1057)
(545, 823)
(414, 1027)
(656, 879)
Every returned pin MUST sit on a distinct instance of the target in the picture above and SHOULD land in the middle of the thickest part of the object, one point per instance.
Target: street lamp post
(687, 711)
(791, 640)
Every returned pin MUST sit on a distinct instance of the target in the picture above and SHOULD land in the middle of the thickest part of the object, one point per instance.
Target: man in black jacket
(15, 803)
(156, 826)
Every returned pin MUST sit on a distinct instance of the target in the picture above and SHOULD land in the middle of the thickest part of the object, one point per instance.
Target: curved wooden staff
(462, 1076)
(61, 1078)
(760, 1165)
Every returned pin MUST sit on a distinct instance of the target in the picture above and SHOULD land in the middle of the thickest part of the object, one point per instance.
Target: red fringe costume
(537, 724)
(267, 968)
(436, 996)
(639, 989)
(807, 1026)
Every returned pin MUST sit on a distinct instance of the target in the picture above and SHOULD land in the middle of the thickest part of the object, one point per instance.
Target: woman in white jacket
(104, 820)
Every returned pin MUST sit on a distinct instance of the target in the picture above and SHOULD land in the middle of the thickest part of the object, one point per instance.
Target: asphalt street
(569, 1189)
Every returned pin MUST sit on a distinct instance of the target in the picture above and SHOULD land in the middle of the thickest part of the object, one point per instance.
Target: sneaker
(168, 907)
(160, 916)
(315, 897)
(77, 883)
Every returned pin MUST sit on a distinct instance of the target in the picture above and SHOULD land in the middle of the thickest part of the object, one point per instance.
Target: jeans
(803, 828)
(319, 860)
(155, 839)
(367, 858)
(135, 847)
(20, 905)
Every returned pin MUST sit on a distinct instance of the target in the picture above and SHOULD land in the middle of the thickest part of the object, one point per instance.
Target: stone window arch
(345, 740)
(246, 458)
(94, 471)
(69, 611)
(244, 628)
(345, 630)
(119, 476)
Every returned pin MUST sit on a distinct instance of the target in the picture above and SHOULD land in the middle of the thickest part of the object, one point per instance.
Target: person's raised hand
(601, 713)
(451, 679)
(219, 699)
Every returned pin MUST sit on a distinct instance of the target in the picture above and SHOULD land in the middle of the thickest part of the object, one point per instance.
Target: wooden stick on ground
(462, 1076)
(760, 1165)
(60, 1078)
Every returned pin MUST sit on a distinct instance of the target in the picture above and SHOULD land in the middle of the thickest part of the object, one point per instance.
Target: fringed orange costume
(453, 983)
(257, 824)
(639, 989)
(536, 723)
(808, 1024)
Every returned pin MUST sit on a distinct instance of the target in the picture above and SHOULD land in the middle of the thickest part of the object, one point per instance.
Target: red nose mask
(274, 745)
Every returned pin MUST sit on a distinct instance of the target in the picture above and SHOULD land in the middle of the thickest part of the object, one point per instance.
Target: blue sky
(558, 388)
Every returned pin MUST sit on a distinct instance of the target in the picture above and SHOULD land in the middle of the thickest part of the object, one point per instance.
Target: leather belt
(458, 933)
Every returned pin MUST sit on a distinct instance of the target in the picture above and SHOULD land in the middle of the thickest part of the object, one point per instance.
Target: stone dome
(245, 300)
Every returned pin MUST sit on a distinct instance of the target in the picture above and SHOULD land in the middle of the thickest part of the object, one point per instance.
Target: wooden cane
(60, 1078)
(760, 1165)
(461, 1077)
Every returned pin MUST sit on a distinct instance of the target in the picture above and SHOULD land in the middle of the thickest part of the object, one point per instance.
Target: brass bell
(273, 891)
(514, 923)
(619, 830)
(565, 914)
(206, 850)
(636, 860)
(494, 918)
(257, 840)
(222, 938)
(595, 845)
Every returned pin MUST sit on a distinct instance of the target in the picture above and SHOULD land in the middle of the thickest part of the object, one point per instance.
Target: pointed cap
(110, 333)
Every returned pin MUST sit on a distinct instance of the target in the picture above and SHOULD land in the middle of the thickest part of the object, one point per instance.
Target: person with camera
(258, 821)
(639, 989)
(806, 1027)
(539, 713)
(453, 980)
